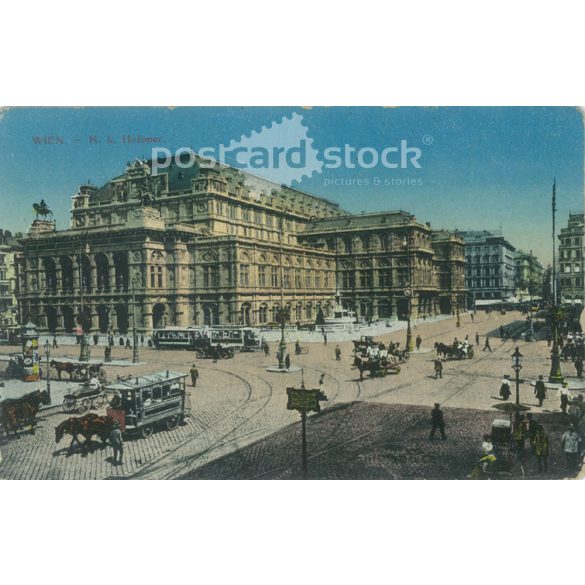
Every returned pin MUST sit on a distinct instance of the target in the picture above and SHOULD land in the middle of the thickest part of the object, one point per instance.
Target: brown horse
(18, 412)
(63, 367)
(87, 426)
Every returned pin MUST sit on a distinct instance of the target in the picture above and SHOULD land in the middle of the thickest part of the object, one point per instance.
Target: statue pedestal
(41, 227)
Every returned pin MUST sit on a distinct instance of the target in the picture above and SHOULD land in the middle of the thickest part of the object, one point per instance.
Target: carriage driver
(94, 383)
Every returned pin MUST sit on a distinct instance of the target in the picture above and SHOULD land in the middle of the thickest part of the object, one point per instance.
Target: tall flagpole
(554, 250)
(555, 376)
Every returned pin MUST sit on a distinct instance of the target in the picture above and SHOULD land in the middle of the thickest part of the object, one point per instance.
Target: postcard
(292, 293)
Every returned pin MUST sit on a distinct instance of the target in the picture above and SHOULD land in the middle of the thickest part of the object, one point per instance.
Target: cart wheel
(98, 402)
(199, 354)
(172, 423)
(84, 405)
(147, 431)
(68, 405)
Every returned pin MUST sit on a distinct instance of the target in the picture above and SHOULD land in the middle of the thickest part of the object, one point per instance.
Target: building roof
(350, 222)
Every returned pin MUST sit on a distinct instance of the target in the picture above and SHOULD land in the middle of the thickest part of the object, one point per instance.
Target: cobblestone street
(240, 427)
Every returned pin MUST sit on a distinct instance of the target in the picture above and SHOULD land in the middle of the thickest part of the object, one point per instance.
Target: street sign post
(304, 400)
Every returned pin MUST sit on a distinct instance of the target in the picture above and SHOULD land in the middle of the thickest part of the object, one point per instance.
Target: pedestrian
(579, 368)
(321, 381)
(287, 361)
(338, 353)
(107, 353)
(142, 339)
(121, 344)
(487, 344)
(487, 446)
(540, 390)
(472, 317)
(324, 338)
(548, 339)
(55, 346)
(519, 433)
(266, 349)
(297, 347)
(531, 429)
(194, 375)
(540, 449)
(574, 412)
(117, 443)
(477, 339)
(96, 338)
(438, 368)
(216, 353)
(565, 397)
(505, 391)
(570, 443)
(437, 422)
(418, 342)
(128, 345)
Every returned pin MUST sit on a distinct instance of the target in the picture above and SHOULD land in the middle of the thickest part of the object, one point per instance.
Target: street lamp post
(517, 366)
(282, 317)
(48, 372)
(408, 294)
(84, 352)
(555, 314)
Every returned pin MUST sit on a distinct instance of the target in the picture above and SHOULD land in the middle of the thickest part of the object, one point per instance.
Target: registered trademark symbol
(427, 139)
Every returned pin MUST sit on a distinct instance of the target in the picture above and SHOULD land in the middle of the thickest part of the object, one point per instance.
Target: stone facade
(491, 266)
(9, 252)
(570, 261)
(529, 276)
(197, 246)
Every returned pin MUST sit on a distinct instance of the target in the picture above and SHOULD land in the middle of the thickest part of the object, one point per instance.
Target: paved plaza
(239, 419)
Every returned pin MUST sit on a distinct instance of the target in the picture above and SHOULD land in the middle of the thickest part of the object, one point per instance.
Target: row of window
(483, 282)
(567, 241)
(570, 254)
(571, 282)
(270, 276)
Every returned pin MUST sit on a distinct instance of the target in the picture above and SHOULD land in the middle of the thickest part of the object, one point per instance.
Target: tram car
(141, 404)
(203, 340)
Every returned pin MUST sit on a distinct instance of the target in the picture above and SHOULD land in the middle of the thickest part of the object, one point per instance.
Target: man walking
(570, 443)
(418, 342)
(437, 422)
(540, 390)
(540, 449)
(579, 368)
(564, 396)
(55, 346)
(438, 368)
(477, 339)
(338, 353)
(194, 375)
(287, 361)
(117, 443)
(487, 344)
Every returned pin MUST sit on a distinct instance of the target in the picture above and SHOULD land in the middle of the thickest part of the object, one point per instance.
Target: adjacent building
(570, 261)
(216, 246)
(490, 266)
(9, 251)
(529, 276)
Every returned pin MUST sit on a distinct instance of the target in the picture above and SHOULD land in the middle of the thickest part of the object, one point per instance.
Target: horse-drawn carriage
(87, 397)
(79, 371)
(16, 413)
(366, 349)
(378, 367)
(460, 351)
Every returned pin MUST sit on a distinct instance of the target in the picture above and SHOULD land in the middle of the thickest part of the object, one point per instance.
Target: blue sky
(486, 167)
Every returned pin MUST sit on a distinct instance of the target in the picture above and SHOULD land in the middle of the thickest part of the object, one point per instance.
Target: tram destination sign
(303, 399)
